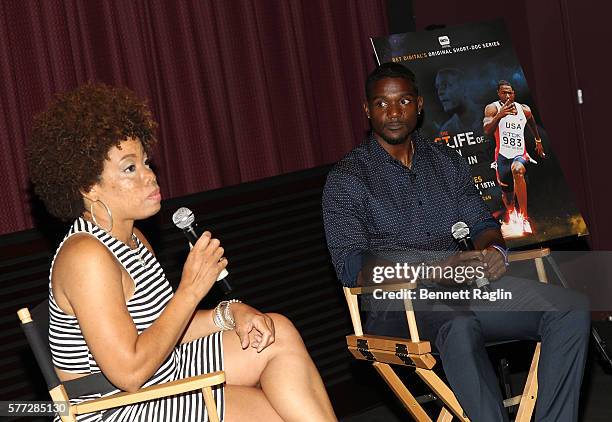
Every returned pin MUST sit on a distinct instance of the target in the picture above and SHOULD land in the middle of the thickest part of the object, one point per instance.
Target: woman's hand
(202, 266)
(253, 327)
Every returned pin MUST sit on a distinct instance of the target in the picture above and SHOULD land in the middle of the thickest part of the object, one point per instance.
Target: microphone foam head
(460, 230)
(183, 218)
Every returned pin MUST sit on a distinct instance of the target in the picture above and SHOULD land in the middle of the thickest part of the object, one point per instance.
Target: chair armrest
(386, 287)
(389, 343)
(151, 392)
(393, 350)
(536, 255)
(527, 255)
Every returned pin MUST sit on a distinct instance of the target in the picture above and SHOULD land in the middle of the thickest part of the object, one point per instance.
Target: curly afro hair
(72, 138)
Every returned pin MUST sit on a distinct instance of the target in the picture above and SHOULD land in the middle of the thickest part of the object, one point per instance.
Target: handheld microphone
(184, 219)
(461, 234)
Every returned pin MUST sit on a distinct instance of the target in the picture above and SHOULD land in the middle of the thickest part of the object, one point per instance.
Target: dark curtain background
(242, 89)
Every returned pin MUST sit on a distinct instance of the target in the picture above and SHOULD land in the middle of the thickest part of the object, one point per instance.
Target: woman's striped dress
(152, 293)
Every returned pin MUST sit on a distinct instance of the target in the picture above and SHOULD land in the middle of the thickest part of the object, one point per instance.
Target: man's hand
(507, 109)
(463, 259)
(495, 264)
(254, 328)
(539, 148)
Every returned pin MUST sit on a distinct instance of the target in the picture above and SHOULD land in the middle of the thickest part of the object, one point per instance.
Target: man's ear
(366, 108)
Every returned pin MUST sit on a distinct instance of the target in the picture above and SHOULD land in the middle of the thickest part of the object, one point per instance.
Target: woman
(111, 307)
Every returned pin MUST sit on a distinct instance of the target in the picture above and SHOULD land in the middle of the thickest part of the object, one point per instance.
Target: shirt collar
(379, 155)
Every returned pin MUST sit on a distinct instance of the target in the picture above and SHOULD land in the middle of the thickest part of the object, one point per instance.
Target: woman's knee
(283, 325)
(285, 333)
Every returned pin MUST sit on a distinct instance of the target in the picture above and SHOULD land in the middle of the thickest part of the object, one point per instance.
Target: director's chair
(385, 351)
(61, 392)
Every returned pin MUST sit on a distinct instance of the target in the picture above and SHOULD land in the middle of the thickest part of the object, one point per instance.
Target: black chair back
(36, 332)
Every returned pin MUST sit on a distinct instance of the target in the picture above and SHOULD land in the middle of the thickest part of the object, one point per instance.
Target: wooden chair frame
(383, 351)
(203, 382)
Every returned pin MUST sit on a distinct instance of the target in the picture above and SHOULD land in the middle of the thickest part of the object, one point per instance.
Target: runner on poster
(506, 120)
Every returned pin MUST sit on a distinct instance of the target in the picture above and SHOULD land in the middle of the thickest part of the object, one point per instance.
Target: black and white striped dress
(152, 293)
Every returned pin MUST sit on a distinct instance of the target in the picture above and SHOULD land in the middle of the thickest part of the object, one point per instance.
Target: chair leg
(400, 390)
(530, 393)
(209, 402)
(443, 392)
(445, 416)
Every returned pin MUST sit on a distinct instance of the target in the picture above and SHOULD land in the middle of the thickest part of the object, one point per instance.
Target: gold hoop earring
(108, 211)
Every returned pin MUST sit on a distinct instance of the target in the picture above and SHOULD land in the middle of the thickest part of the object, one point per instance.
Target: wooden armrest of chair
(153, 392)
(390, 343)
(393, 350)
(536, 255)
(528, 255)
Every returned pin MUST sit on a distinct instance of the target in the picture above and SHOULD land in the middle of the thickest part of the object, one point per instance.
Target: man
(397, 192)
(507, 120)
(450, 87)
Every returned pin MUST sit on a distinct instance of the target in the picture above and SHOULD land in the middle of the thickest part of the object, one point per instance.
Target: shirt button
(420, 203)
(428, 234)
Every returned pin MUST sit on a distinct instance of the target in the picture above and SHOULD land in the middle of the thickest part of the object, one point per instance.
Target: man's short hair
(390, 70)
(503, 82)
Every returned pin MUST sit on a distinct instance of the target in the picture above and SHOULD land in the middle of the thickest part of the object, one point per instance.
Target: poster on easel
(476, 101)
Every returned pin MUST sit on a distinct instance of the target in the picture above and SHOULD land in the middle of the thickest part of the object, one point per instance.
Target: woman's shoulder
(82, 253)
(81, 262)
(81, 243)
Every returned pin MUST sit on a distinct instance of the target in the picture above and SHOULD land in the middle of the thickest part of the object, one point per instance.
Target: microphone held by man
(461, 234)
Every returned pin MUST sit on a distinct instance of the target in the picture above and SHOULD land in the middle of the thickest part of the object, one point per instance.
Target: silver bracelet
(229, 316)
(504, 253)
(222, 315)
(217, 319)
